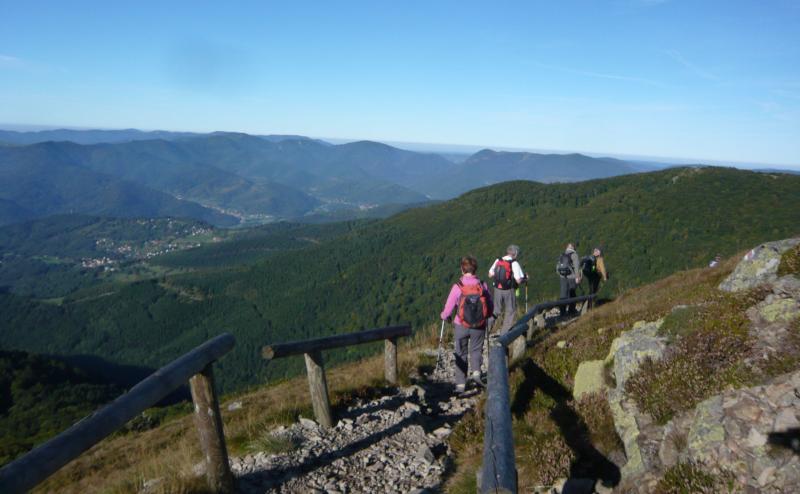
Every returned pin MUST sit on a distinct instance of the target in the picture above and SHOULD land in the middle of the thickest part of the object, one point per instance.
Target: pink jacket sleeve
(452, 300)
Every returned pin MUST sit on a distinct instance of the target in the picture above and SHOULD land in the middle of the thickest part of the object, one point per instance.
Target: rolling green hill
(398, 270)
(44, 180)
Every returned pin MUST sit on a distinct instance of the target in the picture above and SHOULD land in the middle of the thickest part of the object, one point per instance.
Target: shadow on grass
(589, 462)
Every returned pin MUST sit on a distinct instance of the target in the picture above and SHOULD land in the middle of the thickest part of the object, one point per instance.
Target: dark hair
(469, 265)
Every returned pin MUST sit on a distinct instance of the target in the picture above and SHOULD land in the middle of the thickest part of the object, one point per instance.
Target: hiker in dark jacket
(473, 303)
(508, 275)
(593, 268)
(568, 269)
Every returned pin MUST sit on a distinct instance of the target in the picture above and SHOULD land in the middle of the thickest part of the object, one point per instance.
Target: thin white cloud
(9, 61)
(698, 71)
(601, 75)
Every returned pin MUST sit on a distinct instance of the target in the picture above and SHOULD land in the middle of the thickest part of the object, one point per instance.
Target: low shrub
(690, 478)
(707, 358)
(790, 262)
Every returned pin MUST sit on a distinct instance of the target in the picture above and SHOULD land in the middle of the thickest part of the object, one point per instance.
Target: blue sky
(715, 80)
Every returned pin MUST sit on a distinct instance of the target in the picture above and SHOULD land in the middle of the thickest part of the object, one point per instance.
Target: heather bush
(703, 361)
(690, 478)
(790, 262)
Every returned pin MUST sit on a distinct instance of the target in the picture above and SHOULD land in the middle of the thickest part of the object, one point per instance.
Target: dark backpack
(589, 266)
(473, 307)
(504, 274)
(564, 265)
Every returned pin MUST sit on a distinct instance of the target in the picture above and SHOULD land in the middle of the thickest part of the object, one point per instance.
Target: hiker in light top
(473, 303)
(508, 275)
(569, 273)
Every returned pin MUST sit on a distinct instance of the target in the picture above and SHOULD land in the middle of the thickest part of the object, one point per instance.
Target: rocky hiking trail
(392, 444)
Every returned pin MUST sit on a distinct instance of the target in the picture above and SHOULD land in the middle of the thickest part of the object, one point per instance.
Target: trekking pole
(439, 351)
(526, 298)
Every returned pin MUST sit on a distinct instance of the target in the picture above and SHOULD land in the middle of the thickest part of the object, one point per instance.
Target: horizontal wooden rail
(499, 472)
(280, 350)
(315, 368)
(26, 472)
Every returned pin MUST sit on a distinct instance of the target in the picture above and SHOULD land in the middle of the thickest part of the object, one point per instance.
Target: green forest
(40, 397)
(314, 280)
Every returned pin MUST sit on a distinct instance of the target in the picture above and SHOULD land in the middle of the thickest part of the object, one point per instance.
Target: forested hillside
(256, 179)
(398, 270)
(40, 397)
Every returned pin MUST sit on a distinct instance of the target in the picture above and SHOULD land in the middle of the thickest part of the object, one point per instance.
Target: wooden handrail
(315, 368)
(26, 472)
(499, 471)
(279, 350)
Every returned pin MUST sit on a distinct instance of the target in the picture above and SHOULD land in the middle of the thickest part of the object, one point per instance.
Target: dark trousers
(594, 286)
(568, 287)
(468, 342)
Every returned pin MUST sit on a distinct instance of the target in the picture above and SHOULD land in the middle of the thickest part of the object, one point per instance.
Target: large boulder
(631, 348)
(636, 430)
(759, 266)
(748, 433)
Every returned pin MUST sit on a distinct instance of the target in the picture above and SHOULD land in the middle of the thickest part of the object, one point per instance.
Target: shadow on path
(589, 462)
(789, 439)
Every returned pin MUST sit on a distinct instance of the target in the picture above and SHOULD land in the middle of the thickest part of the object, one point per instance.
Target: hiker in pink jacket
(471, 299)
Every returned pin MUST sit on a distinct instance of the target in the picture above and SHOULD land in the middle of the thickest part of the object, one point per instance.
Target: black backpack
(589, 266)
(504, 274)
(564, 265)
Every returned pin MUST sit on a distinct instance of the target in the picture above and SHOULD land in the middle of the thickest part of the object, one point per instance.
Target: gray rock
(308, 423)
(425, 454)
(759, 266)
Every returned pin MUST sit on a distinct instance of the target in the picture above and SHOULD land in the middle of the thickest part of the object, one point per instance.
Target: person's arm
(576, 266)
(452, 300)
(489, 300)
(601, 266)
(518, 274)
(491, 270)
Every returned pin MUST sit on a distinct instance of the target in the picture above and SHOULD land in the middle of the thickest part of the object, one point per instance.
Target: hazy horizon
(438, 147)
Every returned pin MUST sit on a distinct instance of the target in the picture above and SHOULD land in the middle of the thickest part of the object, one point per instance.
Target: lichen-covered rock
(740, 432)
(759, 266)
(590, 378)
(635, 429)
(624, 413)
(781, 310)
(632, 347)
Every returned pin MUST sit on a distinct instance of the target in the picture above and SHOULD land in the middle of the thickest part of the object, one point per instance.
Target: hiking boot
(460, 388)
(476, 378)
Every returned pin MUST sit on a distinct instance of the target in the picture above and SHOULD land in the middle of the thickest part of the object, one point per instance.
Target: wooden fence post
(390, 360)
(209, 426)
(518, 348)
(318, 387)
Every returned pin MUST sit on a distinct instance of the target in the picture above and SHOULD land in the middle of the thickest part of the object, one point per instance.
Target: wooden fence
(312, 350)
(26, 472)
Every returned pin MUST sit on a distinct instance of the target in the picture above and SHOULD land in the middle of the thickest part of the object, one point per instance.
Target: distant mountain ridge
(262, 178)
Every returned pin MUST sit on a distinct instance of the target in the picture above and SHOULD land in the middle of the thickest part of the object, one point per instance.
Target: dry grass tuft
(689, 478)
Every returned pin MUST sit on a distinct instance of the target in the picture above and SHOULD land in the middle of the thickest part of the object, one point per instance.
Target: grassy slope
(395, 271)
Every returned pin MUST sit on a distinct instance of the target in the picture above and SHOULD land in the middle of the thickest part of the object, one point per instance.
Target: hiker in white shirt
(508, 275)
